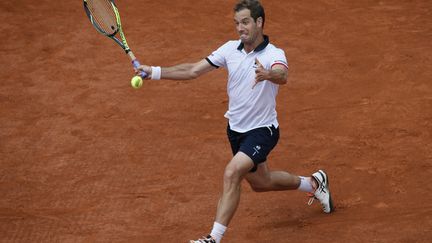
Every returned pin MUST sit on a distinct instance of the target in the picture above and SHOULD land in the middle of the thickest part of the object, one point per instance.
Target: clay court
(86, 158)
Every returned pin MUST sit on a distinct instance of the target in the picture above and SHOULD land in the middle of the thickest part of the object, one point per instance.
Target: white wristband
(156, 73)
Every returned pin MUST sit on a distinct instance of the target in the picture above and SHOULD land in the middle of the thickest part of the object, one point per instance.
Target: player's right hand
(144, 68)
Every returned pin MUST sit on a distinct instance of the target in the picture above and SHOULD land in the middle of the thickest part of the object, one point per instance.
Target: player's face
(246, 26)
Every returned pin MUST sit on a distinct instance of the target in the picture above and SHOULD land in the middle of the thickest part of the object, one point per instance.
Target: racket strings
(103, 14)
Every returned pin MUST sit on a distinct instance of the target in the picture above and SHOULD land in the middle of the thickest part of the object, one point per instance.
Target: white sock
(306, 184)
(218, 231)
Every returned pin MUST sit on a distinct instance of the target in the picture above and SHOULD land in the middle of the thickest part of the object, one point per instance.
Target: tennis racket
(105, 17)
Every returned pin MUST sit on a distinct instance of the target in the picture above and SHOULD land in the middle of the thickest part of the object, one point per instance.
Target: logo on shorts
(257, 149)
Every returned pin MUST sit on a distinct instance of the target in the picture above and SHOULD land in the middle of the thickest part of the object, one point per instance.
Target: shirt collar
(260, 47)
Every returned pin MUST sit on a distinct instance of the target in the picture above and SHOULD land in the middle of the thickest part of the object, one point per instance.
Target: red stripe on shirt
(279, 63)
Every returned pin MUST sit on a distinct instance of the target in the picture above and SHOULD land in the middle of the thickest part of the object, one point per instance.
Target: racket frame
(122, 43)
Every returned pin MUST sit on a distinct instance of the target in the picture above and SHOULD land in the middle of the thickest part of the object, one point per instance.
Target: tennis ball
(136, 82)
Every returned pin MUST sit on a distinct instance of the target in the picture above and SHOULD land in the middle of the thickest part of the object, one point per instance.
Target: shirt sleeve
(279, 58)
(218, 57)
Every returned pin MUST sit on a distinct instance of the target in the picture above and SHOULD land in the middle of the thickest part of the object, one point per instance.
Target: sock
(218, 231)
(306, 184)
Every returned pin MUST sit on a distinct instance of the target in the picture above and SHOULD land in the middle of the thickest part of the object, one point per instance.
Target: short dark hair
(254, 6)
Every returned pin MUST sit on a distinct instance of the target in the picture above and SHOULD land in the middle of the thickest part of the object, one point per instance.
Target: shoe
(322, 192)
(208, 239)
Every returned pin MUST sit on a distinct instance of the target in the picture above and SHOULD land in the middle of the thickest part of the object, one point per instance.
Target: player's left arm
(277, 74)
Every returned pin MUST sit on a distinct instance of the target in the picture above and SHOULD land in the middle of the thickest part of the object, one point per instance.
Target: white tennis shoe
(322, 192)
(207, 239)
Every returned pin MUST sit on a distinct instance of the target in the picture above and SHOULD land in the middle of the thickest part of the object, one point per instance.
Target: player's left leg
(317, 186)
(263, 180)
(322, 192)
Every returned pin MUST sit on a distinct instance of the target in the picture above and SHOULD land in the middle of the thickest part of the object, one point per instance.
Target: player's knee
(231, 174)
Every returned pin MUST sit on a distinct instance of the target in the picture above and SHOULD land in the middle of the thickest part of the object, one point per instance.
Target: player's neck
(250, 47)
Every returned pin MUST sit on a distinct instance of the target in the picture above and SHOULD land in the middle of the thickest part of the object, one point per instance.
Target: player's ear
(259, 22)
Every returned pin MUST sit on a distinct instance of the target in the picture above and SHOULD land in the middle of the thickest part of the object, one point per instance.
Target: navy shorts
(256, 143)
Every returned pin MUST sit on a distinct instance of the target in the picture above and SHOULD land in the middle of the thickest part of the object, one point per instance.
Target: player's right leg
(234, 173)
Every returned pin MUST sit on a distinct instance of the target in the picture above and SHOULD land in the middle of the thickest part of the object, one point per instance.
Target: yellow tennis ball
(136, 82)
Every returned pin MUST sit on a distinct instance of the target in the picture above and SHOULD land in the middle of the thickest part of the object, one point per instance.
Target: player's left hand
(261, 73)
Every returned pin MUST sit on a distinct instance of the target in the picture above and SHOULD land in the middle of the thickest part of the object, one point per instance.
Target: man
(256, 68)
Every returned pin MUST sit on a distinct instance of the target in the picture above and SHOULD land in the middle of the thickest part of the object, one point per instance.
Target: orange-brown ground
(85, 158)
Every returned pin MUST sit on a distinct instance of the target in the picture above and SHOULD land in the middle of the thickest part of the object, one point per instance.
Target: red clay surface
(85, 158)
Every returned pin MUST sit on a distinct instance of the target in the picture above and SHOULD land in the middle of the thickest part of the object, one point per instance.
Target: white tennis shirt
(249, 108)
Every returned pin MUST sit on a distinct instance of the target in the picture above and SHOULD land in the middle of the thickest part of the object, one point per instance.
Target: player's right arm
(183, 71)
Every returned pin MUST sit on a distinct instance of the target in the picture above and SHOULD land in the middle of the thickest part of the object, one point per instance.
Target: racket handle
(136, 64)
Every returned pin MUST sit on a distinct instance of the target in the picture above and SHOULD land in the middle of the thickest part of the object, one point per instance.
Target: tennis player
(256, 68)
